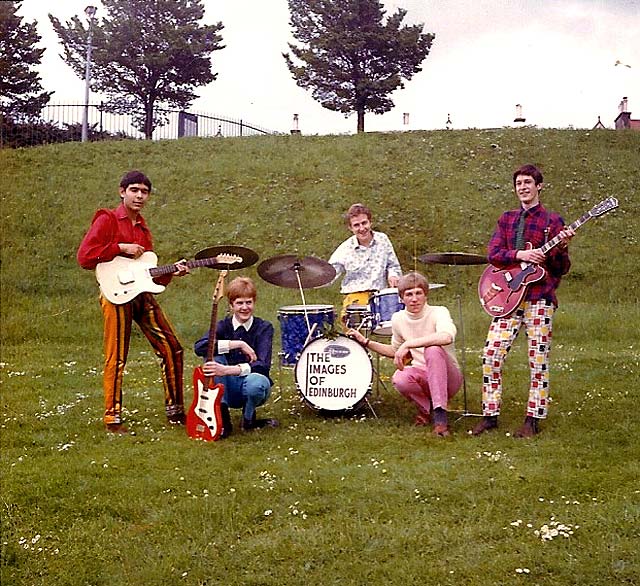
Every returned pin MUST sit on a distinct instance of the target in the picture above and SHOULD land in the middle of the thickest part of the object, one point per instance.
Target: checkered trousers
(537, 319)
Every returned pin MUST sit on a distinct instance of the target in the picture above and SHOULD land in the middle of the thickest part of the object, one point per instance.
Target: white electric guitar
(122, 279)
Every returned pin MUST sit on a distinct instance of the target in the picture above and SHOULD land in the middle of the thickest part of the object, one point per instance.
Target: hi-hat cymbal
(453, 258)
(239, 257)
(282, 271)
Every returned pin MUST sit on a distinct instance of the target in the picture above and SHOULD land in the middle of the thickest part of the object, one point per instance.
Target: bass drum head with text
(334, 375)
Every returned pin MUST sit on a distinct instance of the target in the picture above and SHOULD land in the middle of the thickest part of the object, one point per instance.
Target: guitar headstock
(218, 291)
(606, 205)
(228, 259)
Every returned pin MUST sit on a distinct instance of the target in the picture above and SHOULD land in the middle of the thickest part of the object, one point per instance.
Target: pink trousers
(431, 385)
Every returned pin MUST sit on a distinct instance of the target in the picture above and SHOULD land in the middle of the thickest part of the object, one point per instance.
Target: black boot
(227, 426)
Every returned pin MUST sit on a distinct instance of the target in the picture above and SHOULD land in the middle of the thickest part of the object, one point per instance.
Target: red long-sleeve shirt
(108, 229)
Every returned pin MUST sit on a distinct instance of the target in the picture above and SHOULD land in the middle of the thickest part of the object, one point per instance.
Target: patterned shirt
(365, 268)
(540, 227)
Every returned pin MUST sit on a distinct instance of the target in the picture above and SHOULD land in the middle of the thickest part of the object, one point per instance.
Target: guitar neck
(556, 240)
(192, 264)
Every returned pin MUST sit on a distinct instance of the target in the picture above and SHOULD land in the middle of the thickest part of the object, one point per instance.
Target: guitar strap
(546, 230)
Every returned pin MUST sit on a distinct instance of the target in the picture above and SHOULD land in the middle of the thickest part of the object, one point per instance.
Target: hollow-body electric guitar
(502, 290)
(122, 279)
(204, 418)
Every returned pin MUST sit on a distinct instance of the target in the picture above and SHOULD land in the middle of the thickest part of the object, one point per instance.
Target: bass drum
(334, 376)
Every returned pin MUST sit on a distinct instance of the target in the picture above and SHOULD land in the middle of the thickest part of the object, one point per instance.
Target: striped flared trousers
(146, 312)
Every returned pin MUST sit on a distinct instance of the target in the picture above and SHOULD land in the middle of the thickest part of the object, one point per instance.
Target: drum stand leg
(371, 407)
(379, 381)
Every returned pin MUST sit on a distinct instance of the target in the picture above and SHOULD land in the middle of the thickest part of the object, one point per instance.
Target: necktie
(520, 230)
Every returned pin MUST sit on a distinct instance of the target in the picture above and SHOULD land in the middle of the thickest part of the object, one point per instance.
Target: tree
(21, 95)
(352, 61)
(146, 55)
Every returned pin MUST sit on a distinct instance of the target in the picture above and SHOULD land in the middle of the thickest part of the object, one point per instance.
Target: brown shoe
(422, 419)
(117, 428)
(528, 429)
(177, 419)
(487, 424)
(441, 430)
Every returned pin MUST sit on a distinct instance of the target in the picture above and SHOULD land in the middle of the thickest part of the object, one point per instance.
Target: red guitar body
(204, 418)
(502, 290)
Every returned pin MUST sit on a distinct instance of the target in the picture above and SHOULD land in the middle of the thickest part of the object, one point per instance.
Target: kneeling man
(242, 357)
(424, 334)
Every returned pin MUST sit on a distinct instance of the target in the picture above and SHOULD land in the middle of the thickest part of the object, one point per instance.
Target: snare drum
(334, 375)
(358, 317)
(294, 331)
(384, 304)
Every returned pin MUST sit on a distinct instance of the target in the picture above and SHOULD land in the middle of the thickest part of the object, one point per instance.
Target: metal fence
(102, 124)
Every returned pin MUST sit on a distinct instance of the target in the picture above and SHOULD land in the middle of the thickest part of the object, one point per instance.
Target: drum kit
(333, 373)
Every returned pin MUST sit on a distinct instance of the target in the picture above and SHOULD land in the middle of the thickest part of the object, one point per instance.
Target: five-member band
(422, 335)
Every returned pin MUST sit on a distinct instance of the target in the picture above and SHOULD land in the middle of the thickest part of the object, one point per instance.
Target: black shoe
(177, 419)
(488, 423)
(250, 424)
(227, 426)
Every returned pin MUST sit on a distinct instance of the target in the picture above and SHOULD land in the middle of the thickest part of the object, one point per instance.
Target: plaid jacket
(540, 227)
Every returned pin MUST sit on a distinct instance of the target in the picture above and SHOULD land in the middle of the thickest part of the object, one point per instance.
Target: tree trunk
(148, 122)
(361, 120)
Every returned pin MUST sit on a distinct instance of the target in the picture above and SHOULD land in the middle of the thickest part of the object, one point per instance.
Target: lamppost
(90, 11)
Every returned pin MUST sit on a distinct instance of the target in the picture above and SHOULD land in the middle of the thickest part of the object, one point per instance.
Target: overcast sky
(554, 57)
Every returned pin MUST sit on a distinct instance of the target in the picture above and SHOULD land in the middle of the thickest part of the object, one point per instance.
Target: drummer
(367, 259)
(425, 334)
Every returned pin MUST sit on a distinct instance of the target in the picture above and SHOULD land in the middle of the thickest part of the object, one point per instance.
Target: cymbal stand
(296, 268)
(463, 357)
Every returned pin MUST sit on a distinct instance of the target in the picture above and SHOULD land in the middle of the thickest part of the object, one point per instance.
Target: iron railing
(63, 122)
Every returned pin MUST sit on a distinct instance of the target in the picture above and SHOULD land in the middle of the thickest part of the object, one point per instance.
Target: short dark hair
(530, 171)
(134, 176)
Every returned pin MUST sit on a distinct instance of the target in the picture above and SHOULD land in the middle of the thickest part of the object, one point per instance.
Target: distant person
(242, 358)
(367, 259)
(530, 223)
(425, 334)
(123, 232)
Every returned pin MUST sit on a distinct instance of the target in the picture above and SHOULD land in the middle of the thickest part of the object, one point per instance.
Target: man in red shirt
(530, 223)
(123, 231)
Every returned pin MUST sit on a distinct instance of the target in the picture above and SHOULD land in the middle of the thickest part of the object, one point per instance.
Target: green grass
(359, 500)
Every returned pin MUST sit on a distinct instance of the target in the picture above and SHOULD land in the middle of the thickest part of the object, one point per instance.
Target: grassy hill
(441, 512)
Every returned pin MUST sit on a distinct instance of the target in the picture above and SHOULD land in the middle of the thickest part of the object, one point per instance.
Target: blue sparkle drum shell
(384, 304)
(294, 331)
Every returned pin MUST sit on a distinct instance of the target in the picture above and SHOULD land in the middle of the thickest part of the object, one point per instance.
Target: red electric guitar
(502, 290)
(204, 418)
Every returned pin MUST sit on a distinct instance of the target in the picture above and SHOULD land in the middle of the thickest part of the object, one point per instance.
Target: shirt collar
(356, 244)
(236, 323)
(121, 214)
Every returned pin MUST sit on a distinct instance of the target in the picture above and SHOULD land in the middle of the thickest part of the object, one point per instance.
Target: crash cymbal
(453, 258)
(239, 257)
(282, 271)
